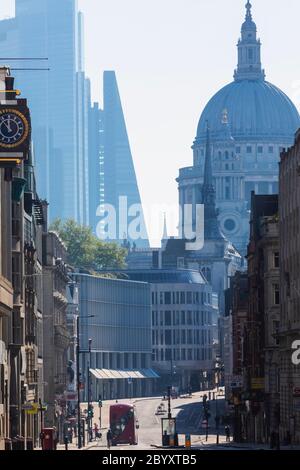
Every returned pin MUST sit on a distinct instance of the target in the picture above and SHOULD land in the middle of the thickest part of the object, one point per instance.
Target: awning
(109, 374)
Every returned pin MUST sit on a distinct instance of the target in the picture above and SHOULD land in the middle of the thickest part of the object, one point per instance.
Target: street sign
(258, 383)
(27, 406)
(70, 396)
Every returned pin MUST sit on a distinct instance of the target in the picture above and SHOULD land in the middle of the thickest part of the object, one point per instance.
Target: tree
(85, 250)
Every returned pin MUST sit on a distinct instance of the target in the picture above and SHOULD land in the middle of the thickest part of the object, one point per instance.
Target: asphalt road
(188, 412)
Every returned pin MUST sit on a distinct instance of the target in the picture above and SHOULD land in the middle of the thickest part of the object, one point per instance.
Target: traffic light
(90, 413)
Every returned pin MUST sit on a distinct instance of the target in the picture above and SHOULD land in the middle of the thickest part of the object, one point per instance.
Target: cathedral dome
(257, 110)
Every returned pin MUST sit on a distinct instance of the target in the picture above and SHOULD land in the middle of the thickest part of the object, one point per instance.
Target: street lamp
(78, 380)
(217, 417)
(89, 390)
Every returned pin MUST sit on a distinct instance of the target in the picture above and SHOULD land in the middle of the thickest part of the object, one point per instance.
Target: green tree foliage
(85, 250)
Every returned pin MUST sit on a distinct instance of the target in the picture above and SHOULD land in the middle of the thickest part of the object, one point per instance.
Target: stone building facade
(260, 348)
(6, 306)
(56, 333)
(289, 228)
(251, 121)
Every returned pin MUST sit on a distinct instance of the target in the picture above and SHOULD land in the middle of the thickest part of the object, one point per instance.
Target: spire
(249, 62)
(211, 225)
(208, 179)
(165, 231)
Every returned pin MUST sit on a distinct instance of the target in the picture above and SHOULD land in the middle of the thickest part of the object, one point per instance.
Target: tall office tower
(96, 160)
(118, 169)
(58, 98)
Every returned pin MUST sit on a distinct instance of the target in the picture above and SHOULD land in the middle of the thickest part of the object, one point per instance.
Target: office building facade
(116, 315)
(59, 98)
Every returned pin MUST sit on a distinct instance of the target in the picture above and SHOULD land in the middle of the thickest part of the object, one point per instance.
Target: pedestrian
(96, 430)
(227, 433)
(109, 437)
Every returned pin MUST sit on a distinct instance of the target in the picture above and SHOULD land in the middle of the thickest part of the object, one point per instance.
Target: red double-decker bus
(122, 418)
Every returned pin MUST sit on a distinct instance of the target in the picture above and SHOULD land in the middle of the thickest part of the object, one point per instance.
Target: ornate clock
(14, 128)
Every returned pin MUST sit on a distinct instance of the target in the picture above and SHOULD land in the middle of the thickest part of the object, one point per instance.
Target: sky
(170, 57)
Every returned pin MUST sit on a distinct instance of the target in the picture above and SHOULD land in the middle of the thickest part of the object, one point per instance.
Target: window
(183, 337)
(189, 318)
(161, 298)
(190, 354)
(182, 297)
(167, 298)
(168, 321)
(271, 149)
(183, 317)
(226, 166)
(276, 259)
(183, 354)
(276, 325)
(168, 354)
(249, 149)
(168, 337)
(276, 294)
(189, 297)
(238, 149)
(260, 149)
(189, 337)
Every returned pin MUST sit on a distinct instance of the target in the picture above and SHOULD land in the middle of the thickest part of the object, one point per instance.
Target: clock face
(14, 128)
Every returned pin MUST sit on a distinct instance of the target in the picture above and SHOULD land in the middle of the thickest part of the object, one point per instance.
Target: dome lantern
(249, 62)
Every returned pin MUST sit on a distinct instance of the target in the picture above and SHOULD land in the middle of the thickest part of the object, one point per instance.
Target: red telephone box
(49, 439)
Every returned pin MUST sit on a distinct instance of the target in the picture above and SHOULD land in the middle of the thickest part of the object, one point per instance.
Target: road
(188, 412)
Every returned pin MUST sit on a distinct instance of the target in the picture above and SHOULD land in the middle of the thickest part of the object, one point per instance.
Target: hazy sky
(170, 57)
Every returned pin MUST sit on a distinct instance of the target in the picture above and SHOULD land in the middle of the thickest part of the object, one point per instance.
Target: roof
(109, 374)
(257, 110)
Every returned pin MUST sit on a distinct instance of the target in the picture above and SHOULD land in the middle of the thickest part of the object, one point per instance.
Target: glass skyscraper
(59, 99)
(118, 176)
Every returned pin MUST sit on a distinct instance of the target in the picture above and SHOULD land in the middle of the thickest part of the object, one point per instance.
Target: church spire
(211, 225)
(165, 231)
(249, 51)
(208, 179)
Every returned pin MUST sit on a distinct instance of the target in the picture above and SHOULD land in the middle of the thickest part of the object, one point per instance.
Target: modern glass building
(119, 326)
(184, 320)
(58, 98)
(117, 170)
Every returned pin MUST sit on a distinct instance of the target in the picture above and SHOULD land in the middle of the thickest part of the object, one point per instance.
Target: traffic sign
(27, 406)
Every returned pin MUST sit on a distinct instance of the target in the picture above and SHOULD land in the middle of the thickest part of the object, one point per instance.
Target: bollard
(188, 441)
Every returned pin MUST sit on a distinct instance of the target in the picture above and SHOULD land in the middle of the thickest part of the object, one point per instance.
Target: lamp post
(89, 391)
(218, 369)
(78, 380)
